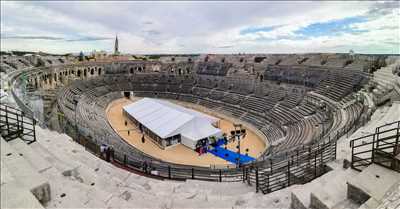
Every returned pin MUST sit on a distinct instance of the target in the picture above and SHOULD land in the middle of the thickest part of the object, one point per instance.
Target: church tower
(116, 52)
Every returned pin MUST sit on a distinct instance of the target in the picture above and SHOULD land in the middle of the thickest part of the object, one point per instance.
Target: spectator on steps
(103, 148)
(108, 154)
(112, 153)
(144, 167)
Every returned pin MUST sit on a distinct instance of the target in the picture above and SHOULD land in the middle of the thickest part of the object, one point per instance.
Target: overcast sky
(201, 27)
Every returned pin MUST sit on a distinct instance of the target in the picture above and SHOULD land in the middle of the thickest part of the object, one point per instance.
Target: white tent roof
(167, 119)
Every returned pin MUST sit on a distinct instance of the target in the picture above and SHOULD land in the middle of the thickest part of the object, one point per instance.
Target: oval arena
(285, 114)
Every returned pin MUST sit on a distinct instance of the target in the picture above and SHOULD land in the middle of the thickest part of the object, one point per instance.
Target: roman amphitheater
(315, 131)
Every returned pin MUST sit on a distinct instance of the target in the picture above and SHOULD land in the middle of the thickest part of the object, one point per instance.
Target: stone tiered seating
(306, 109)
(213, 68)
(167, 95)
(249, 109)
(188, 98)
(5, 68)
(106, 99)
(299, 116)
(338, 85)
(236, 112)
(186, 89)
(22, 181)
(272, 133)
(292, 100)
(232, 98)
(209, 103)
(79, 179)
(255, 104)
(257, 121)
(242, 87)
(201, 92)
(386, 82)
(216, 95)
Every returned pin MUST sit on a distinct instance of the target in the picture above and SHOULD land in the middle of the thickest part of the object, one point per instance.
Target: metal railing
(380, 148)
(14, 124)
(299, 168)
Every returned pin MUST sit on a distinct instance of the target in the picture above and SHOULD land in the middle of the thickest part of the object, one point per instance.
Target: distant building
(98, 55)
(81, 56)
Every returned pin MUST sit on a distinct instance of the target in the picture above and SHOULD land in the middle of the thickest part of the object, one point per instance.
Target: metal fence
(14, 124)
(380, 148)
(297, 166)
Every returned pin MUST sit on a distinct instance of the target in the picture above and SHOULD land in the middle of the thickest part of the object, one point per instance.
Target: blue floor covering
(230, 156)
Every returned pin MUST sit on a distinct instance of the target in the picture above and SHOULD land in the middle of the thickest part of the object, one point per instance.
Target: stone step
(60, 164)
(23, 172)
(335, 196)
(6, 176)
(315, 195)
(15, 195)
(346, 204)
(372, 182)
(45, 135)
(91, 171)
(391, 198)
(82, 186)
(69, 191)
(68, 149)
(34, 158)
(371, 203)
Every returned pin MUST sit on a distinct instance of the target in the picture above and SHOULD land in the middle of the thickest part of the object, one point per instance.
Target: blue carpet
(220, 142)
(229, 155)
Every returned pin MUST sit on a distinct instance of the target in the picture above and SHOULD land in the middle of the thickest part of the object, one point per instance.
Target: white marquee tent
(166, 119)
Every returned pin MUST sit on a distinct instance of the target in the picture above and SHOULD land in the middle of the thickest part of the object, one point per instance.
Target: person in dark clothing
(108, 154)
(144, 166)
(143, 138)
(112, 153)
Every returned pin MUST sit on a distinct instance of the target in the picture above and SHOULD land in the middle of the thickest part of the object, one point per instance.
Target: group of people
(107, 152)
(147, 168)
(140, 128)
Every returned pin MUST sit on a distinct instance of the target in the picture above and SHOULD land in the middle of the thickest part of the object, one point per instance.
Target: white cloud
(193, 27)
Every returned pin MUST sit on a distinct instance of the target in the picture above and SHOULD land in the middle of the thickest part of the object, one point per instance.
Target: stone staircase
(348, 189)
(388, 84)
(371, 186)
(344, 188)
(326, 192)
(56, 172)
(21, 184)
